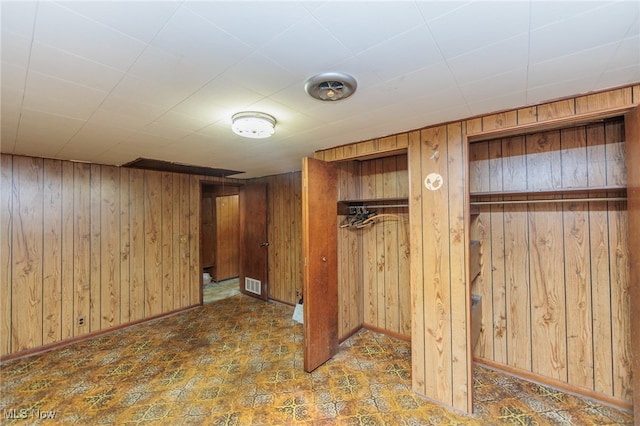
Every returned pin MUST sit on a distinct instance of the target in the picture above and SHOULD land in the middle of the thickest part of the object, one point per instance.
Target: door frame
(236, 190)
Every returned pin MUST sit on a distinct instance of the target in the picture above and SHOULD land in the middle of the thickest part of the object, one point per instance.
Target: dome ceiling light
(255, 125)
(330, 86)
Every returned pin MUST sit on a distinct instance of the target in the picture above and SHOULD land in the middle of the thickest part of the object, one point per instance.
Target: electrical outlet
(80, 321)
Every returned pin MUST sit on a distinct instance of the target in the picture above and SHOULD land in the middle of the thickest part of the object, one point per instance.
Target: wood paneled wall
(284, 230)
(374, 261)
(440, 292)
(111, 245)
(227, 237)
(555, 276)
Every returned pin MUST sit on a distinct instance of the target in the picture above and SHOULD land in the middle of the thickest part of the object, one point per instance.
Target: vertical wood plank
(436, 302)
(369, 268)
(67, 267)
(494, 265)
(27, 254)
(6, 243)
(168, 231)
(459, 287)
(137, 237)
(404, 249)
(548, 320)
(390, 229)
(516, 248)
(152, 205)
(82, 246)
(296, 239)
(95, 247)
(195, 273)
(110, 274)
(379, 250)
(52, 252)
(620, 303)
(577, 276)
(416, 217)
(125, 246)
(632, 132)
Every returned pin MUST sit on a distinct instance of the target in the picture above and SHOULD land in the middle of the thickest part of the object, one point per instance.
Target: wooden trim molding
(82, 338)
(556, 384)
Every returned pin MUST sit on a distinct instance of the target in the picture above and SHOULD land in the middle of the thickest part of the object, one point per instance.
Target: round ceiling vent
(331, 86)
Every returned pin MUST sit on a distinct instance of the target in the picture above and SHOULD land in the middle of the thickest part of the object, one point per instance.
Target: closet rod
(555, 200)
(382, 206)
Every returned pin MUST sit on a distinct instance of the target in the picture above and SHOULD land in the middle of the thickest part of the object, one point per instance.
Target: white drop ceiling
(111, 81)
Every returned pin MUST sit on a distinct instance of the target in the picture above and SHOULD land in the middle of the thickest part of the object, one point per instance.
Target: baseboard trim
(66, 342)
(556, 384)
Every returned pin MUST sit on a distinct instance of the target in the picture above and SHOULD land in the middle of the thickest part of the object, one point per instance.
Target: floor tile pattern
(238, 361)
(214, 291)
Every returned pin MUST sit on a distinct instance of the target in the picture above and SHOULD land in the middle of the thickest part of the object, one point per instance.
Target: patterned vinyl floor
(238, 361)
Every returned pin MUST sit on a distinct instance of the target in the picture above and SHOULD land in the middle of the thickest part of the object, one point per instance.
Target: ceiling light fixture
(255, 125)
(330, 86)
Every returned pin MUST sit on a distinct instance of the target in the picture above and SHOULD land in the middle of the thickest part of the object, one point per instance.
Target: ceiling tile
(402, 54)
(76, 69)
(271, 79)
(217, 100)
(544, 13)
(488, 61)
(190, 36)
(138, 19)
(52, 131)
(591, 64)
(583, 32)
(249, 21)
(498, 85)
(473, 26)
(66, 30)
(18, 17)
(305, 49)
(51, 95)
(362, 25)
(15, 50)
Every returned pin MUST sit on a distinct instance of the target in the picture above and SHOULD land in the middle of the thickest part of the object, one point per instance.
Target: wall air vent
(252, 285)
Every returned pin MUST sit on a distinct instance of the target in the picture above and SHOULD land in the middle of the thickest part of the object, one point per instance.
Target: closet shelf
(375, 203)
(581, 194)
(558, 191)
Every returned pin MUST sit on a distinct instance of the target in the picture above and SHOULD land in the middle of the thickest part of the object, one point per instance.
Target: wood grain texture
(436, 274)
(82, 246)
(26, 291)
(575, 255)
(319, 236)
(110, 248)
(632, 133)
(125, 247)
(72, 254)
(137, 235)
(95, 246)
(168, 242)
(284, 232)
(457, 159)
(6, 244)
(52, 252)
(67, 267)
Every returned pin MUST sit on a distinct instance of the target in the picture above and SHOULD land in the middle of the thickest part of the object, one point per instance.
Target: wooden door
(632, 128)
(320, 247)
(253, 241)
(227, 223)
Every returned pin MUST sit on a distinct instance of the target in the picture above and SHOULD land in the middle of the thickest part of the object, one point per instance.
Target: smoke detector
(330, 86)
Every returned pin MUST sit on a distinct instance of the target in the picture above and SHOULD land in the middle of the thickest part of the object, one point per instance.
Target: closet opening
(373, 246)
(219, 241)
(549, 264)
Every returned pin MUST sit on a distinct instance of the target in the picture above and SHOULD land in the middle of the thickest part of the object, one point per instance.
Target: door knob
(264, 244)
